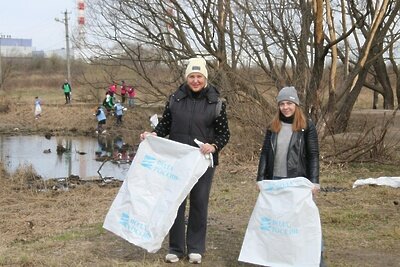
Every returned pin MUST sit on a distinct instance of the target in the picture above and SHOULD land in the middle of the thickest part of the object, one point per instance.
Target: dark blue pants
(195, 235)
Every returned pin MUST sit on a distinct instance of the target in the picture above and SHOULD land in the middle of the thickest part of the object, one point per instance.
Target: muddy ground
(41, 226)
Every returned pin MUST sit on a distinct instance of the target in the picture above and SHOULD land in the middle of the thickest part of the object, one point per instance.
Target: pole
(67, 46)
(1, 71)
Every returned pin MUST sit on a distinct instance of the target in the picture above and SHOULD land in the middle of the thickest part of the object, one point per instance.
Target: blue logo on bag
(278, 227)
(134, 226)
(161, 167)
(148, 161)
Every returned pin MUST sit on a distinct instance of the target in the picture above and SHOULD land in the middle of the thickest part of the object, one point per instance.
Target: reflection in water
(114, 150)
(61, 151)
(80, 156)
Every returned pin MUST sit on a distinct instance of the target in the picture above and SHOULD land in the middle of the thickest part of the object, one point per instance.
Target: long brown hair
(299, 121)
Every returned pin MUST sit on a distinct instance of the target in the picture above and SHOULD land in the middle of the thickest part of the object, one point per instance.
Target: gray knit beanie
(288, 93)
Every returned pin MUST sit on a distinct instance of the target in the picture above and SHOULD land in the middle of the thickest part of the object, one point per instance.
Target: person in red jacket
(131, 96)
(112, 89)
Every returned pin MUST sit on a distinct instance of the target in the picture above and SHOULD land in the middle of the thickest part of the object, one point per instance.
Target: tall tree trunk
(383, 78)
(396, 72)
(301, 71)
(312, 101)
(343, 114)
(326, 125)
(375, 100)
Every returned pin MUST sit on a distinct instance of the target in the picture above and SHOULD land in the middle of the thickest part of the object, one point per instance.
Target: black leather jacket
(302, 157)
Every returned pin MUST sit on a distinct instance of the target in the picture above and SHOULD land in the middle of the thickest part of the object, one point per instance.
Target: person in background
(67, 91)
(123, 92)
(290, 147)
(38, 107)
(119, 112)
(191, 113)
(108, 102)
(101, 119)
(112, 89)
(131, 96)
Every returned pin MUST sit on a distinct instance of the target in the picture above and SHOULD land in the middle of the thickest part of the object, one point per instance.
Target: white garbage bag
(284, 228)
(160, 177)
(388, 181)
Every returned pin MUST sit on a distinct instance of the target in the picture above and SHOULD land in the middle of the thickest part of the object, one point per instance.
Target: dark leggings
(67, 97)
(197, 221)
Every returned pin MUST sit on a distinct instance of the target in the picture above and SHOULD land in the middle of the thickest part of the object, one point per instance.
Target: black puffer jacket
(302, 157)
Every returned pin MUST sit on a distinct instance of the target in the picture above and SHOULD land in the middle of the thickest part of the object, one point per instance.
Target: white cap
(197, 64)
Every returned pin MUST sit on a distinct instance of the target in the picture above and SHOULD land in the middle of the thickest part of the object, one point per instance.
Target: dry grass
(44, 227)
(64, 228)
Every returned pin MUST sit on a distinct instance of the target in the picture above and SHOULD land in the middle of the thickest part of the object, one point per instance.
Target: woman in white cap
(194, 111)
(290, 146)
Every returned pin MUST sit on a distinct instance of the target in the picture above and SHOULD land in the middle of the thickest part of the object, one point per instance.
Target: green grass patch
(350, 218)
(82, 233)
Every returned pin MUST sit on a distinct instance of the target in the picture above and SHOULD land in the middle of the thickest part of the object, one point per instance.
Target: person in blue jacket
(119, 111)
(101, 119)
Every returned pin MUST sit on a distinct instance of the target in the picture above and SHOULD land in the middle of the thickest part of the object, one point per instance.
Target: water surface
(78, 159)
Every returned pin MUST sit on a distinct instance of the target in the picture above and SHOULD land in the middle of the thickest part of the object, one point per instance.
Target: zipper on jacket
(191, 121)
(273, 142)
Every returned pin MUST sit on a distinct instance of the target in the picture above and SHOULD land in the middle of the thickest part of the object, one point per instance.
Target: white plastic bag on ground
(161, 175)
(284, 228)
(388, 181)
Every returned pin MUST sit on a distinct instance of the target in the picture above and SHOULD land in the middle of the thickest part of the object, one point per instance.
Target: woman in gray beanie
(291, 143)
(290, 146)
(194, 111)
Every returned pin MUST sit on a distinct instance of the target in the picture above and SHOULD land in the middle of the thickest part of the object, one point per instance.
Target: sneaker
(194, 258)
(171, 258)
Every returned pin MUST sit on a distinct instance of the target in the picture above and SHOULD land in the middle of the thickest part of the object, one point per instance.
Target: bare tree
(392, 47)
(253, 48)
(7, 70)
(326, 127)
(370, 52)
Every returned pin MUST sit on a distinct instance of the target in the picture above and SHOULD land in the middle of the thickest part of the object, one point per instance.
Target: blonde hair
(299, 121)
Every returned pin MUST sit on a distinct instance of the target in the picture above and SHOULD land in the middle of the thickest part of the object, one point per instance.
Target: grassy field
(64, 228)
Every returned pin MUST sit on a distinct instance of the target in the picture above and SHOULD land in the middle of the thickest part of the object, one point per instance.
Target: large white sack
(284, 228)
(160, 177)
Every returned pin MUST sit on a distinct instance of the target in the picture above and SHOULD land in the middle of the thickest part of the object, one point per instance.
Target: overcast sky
(35, 19)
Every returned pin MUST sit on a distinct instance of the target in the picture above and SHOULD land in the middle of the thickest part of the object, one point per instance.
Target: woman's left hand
(315, 189)
(207, 148)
